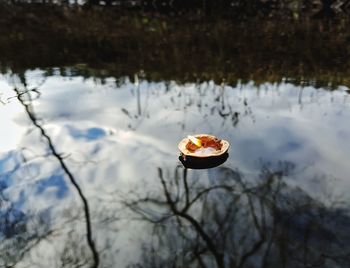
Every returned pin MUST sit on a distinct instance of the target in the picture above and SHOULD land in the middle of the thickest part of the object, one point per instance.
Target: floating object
(203, 162)
(203, 146)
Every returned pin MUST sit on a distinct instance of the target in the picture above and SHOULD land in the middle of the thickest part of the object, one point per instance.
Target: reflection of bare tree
(141, 112)
(30, 112)
(19, 231)
(229, 221)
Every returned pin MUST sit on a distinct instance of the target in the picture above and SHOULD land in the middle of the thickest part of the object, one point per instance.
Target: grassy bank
(189, 47)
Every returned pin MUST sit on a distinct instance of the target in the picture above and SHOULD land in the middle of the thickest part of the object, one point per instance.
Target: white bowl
(186, 152)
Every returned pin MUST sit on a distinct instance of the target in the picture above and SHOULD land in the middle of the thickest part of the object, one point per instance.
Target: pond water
(90, 175)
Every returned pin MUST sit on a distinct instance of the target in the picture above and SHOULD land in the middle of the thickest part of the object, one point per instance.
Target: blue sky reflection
(114, 139)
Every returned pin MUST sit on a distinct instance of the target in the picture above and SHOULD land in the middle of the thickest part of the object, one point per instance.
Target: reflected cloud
(281, 197)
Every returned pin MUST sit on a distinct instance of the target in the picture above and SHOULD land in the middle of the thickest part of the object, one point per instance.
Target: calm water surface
(280, 200)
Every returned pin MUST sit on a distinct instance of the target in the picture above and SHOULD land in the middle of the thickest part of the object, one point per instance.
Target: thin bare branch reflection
(228, 220)
(19, 231)
(30, 112)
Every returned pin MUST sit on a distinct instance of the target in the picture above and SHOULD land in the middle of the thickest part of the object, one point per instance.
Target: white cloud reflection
(114, 138)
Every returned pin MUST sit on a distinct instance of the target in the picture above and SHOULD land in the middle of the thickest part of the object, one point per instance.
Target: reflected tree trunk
(30, 112)
(219, 258)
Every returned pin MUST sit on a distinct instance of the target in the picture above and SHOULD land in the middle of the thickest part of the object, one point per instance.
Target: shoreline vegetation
(185, 45)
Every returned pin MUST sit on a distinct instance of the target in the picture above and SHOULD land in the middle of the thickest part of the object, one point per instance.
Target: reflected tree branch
(211, 246)
(243, 223)
(29, 110)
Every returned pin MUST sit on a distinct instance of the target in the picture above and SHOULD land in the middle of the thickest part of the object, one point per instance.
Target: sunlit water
(280, 200)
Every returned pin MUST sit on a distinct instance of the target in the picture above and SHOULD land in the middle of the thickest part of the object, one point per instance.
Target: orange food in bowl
(206, 141)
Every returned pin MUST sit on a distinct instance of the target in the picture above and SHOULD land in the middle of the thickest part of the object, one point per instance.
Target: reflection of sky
(121, 128)
(114, 138)
(11, 131)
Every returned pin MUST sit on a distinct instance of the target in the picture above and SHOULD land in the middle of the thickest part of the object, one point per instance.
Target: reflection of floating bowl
(209, 154)
(205, 158)
(202, 163)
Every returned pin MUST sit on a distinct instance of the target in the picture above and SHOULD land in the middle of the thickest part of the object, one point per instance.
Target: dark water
(280, 200)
